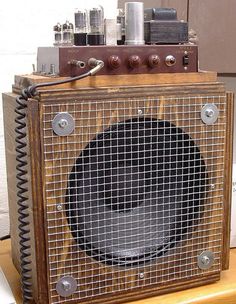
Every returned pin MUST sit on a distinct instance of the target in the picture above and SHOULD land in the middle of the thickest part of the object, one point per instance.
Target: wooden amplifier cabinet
(133, 199)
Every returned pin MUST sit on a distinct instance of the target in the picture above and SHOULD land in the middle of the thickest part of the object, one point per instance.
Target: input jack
(78, 63)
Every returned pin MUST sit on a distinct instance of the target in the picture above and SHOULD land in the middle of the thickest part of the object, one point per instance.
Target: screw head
(140, 112)
(59, 207)
(66, 285)
(141, 275)
(209, 113)
(63, 123)
(205, 260)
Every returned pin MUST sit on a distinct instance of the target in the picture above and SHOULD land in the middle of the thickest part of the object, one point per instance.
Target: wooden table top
(222, 292)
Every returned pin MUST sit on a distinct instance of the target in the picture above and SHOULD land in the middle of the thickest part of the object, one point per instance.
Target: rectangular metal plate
(83, 53)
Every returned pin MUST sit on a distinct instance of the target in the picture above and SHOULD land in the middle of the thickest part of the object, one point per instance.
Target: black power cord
(21, 168)
(96, 65)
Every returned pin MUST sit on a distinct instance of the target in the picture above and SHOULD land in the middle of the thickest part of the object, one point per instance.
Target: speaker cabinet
(129, 188)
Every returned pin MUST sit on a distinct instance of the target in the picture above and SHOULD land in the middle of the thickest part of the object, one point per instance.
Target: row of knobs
(135, 61)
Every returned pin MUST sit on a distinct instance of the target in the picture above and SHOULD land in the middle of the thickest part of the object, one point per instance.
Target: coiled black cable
(21, 168)
(22, 181)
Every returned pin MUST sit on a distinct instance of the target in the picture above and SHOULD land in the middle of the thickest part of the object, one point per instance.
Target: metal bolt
(59, 207)
(52, 69)
(141, 275)
(63, 123)
(43, 68)
(212, 186)
(205, 260)
(66, 285)
(209, 113)
(140, 112)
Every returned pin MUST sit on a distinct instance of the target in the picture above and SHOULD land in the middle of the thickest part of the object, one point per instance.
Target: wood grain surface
(22, 81)
(222, 292)
(62, 99)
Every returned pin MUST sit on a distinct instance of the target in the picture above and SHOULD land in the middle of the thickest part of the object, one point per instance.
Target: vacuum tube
(121, 27)
(68, 33)
(57, 34)
(81, 27)
(96, 26)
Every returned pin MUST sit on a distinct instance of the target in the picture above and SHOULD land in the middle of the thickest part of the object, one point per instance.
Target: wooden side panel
(9, 116)
(215, 23)
(34, 192)
(9, 104)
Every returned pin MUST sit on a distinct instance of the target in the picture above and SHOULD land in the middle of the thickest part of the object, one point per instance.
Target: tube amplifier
(120, 181)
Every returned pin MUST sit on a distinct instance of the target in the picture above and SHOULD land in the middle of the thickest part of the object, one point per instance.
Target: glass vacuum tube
(57, 34)
(81, 27)
(121, 27)
(68, 33)
(96, 26)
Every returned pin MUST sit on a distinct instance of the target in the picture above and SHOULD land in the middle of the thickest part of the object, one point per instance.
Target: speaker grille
(135, 191)
(134, 194)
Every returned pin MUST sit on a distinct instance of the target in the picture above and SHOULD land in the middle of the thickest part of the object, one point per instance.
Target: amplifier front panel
(133, 195)
(119, 60)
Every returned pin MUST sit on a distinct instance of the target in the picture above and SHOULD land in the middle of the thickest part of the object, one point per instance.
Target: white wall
(25, 25)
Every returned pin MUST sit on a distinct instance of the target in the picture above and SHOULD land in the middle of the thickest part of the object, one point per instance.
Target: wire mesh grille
(134, 194)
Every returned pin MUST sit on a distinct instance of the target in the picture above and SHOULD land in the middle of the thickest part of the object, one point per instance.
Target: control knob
(153, 61)
(114, 62)
(134, 61)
